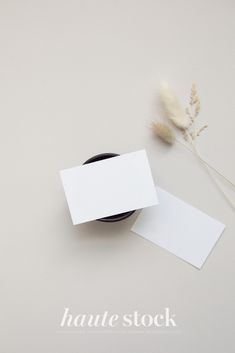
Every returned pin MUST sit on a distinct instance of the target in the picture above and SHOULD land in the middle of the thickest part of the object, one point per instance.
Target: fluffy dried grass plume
(172, 107)
(164, 132)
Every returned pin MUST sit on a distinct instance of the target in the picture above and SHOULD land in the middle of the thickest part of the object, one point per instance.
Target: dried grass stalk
(173, 108)
(164, 132)
(186, 122)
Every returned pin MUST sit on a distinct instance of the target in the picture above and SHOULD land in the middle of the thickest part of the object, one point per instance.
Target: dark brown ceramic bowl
(117, 217)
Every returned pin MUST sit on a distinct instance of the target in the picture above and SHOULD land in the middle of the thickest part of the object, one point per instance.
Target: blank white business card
(179, 228)
(108, 187)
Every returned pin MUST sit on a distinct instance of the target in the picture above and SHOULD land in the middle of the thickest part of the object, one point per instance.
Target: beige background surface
(79, 78)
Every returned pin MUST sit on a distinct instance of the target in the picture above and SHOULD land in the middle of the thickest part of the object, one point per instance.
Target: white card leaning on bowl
(179, 228)
(108, 187)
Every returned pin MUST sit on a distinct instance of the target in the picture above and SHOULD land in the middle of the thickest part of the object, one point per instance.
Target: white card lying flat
(179, 228)
(108, 187)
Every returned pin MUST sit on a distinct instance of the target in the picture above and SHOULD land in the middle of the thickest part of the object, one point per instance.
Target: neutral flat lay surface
(78, 78)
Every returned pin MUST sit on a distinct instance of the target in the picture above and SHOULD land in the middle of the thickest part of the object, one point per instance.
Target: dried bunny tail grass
(173, 108)
(164, 132)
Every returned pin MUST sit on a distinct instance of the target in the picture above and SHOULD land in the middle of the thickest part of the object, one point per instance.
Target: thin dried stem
(208, 164)
(231, 203)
